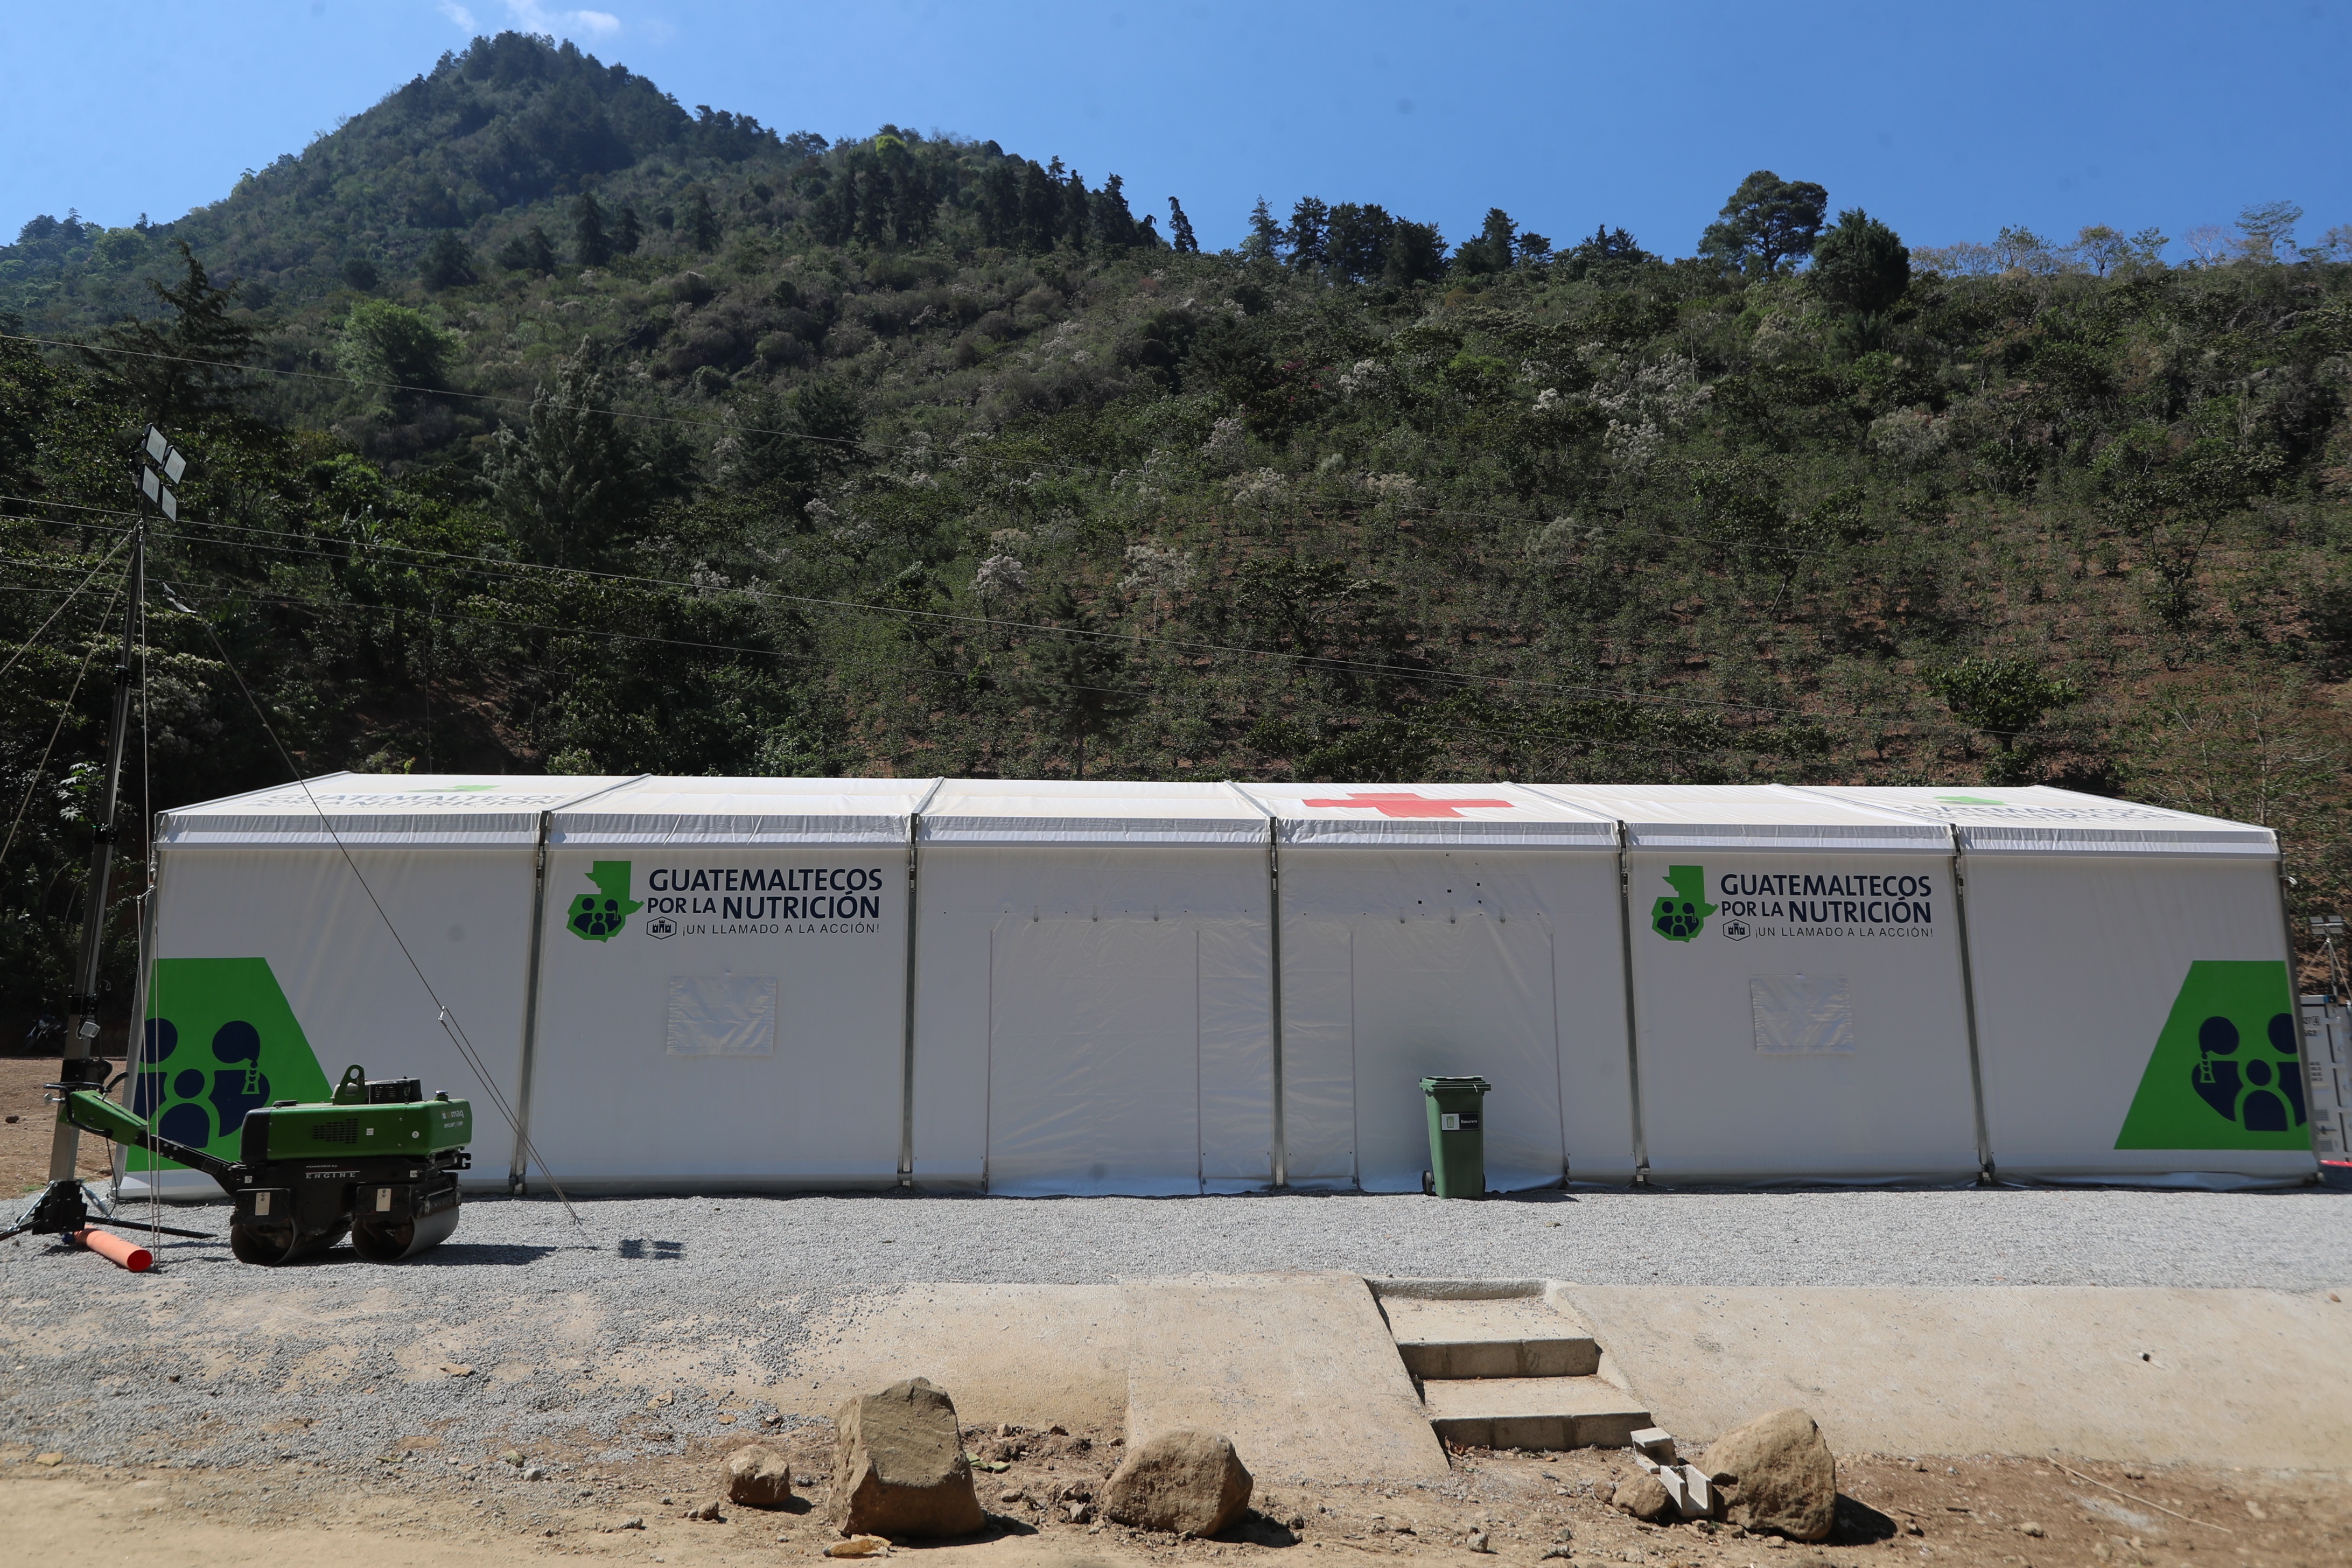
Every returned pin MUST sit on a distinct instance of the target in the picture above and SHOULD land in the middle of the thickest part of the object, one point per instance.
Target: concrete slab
(2250, 1378)
(1542, 1412)
(1034, 1354)
(1298, 1369)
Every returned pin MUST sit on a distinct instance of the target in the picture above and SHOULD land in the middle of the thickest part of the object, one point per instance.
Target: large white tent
(1072, 987)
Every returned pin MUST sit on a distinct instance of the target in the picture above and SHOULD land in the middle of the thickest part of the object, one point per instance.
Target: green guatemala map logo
(1684, 915)
(596, 916)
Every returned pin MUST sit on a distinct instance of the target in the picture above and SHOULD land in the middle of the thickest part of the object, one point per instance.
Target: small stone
(635, 1521)
(758, 1476)
(1562, 1553)
(859, 1546)
(535, 1473)
(1476, 1541)
(1011, 1494)
(1057, 1431)
(707, 1512)
(1184, 1481)
(452, 1368)
(49, 1459)
(1079, 1511)
(2029, 1528)
(512, 1456)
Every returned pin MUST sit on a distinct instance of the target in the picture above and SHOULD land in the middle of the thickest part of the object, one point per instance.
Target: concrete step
(1545, 1413)
(1509, 1336)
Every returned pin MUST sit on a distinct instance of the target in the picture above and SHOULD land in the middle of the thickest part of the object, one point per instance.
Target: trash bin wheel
(1429, 1184)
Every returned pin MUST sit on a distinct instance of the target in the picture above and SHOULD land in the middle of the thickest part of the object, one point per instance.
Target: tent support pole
(516, 1171)
(1273, 955)
(1633, 1034)
(907, 1042)
(1969, 1010)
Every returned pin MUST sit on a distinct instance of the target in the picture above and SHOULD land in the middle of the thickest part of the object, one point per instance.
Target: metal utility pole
(81, 1039)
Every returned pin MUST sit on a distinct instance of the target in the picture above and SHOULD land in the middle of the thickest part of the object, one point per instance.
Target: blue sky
(1948, 121)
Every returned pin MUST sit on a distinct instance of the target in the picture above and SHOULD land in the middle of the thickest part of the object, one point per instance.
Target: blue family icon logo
(2225, 1073)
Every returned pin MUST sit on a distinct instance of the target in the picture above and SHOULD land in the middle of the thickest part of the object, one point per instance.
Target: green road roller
(377, 1162)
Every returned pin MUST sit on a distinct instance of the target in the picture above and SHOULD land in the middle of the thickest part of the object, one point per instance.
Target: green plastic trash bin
(1457, 1137)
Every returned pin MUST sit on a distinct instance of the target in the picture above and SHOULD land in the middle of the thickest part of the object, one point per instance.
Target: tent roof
(1746, 816)
(2039, 819)
(1089, 811)
(722, 811)
(451, 809)
(1342, 815)
(377, 809)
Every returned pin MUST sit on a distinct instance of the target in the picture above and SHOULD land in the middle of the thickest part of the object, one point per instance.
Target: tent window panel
(1803, 1015)
(722, 1015)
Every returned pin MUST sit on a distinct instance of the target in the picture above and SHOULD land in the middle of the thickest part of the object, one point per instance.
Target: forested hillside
(537, 424)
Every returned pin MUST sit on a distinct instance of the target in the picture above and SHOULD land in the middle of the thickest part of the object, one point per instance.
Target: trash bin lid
(1472, 1085)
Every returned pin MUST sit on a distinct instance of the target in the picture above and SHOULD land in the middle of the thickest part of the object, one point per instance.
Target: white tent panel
(1796, 978)
(1436, 930)
(1094, 1061)
(1136, 862)
(2103, 935)
(448, 860)
(743, 1022)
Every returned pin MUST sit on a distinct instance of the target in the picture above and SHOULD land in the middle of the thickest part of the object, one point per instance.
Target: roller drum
(391, 1242)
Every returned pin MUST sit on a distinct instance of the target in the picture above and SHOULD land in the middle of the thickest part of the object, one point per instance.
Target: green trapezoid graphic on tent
(2224, 1073)
(595, 916)
(221, 1041)
(1683, 916)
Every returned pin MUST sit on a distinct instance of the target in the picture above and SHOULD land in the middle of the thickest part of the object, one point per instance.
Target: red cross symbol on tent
(1406, 805)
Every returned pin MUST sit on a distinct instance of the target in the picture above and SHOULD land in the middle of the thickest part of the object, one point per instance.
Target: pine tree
(699, 221)
(177, 371)
(628, 233)
(1076, 679)
(1180, 228)
(571, 478)
(1264, 234)
(1309, 221)
(447, 263)
(591, 247)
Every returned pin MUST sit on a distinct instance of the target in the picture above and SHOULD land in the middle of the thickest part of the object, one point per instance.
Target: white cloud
(533, 17)
(459, 15)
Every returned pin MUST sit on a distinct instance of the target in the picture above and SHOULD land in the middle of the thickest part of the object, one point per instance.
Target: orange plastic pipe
(106, 1244)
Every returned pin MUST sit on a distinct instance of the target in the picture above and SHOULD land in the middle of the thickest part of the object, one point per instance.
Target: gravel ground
(207, 1361)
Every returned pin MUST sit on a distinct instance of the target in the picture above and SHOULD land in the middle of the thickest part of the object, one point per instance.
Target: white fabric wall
(1716, 1106)
(1094, 1019)
(1401, 963)
(464, 914)
(2078, 961)
(613, 1105)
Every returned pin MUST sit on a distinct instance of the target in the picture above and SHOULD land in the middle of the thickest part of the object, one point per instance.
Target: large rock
(898, 1468)
(1778, 1475)
(758, 1476)
(1186, 1481)
(1644, 1497)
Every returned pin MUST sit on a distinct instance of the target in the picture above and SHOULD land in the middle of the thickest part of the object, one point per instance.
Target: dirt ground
(24, 1134)
(427, 1508)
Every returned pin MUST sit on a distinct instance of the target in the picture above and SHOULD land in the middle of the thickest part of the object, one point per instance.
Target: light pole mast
(81, 1039)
